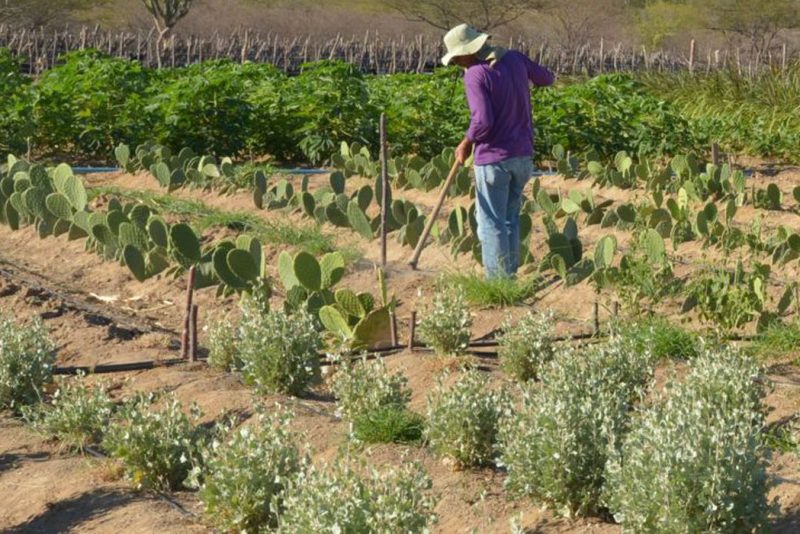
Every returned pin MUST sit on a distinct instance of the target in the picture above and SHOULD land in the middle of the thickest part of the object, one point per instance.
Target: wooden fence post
(691, 56)
(187, 316)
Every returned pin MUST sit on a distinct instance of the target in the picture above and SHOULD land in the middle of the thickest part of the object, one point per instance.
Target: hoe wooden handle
(435, 213)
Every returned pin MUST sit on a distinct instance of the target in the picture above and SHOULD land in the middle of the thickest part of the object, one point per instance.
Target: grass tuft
(499, 292)
(389, 425)
(776, 341)
(664, 339)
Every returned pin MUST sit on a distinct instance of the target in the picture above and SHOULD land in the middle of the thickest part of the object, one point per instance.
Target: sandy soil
(98, 313)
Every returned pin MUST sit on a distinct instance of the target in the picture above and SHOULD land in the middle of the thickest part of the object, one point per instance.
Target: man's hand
(463, 151)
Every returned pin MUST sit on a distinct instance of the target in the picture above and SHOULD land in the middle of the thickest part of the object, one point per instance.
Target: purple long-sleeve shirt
(500, 106)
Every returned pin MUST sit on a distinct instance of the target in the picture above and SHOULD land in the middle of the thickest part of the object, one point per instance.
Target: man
(497, 82)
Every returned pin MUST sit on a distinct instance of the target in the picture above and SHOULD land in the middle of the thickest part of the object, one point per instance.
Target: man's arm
(538, 75)
(481, 115)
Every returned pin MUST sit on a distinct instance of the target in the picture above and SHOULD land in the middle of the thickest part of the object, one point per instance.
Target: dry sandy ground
(97, 313)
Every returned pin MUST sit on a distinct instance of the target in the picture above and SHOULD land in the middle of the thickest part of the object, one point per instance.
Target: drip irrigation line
(117, 367)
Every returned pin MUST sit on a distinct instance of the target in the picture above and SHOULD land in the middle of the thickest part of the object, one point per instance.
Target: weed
(775, 341)
(223, 345)
(26, 362)
(499, 292)
(446, 322)
(525, 347)
(364, 386)
(663, 339)
(389, 424)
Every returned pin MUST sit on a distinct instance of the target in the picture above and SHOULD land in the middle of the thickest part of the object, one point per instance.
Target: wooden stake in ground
(187, 317)
(384, 189)
(429, 225)
(412, 328)
(193, 334)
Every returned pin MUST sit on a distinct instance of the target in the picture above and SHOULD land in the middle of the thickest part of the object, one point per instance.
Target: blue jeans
(498, 202)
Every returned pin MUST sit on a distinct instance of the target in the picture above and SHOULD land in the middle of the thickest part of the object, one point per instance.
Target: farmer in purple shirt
(497, 83)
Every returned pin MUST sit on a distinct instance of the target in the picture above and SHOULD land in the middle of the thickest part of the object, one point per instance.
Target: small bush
(462, 419)
(365, 386)
(26, 362)
(663, 339)
(279, 351)
(337, 499)
(695, 461)
(445, 324)
(77, 415)
(525, 347)
(157, 446)
(555, 446)
(223, 345)
(243, 478)
(389, 424)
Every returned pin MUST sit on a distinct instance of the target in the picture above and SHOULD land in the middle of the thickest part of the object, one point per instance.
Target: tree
(483, 14)
(166, 14)
(759, 25)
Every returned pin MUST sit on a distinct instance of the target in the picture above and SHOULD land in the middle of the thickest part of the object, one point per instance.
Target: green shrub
(446, 322)
(158, 446)
(223, 345)
(338, 499)
(389, 424)
(525, 347)
(463, 419)
(77, 414)
(777, 340)
(555, 445)
(26, 362)
(16, 100)
(279, 351)
(90, 103)
(244, 476)
(695, 460)
(364, 386)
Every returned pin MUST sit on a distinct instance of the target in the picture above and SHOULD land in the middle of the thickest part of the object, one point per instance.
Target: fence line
(371, 53)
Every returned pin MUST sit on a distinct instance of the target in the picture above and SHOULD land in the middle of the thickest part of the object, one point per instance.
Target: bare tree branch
(483, 14)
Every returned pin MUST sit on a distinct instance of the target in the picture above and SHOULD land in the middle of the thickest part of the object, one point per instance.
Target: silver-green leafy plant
(26, 362)
(77, 414)
(527, 345)
(446, 322)
(279, 351)
(243, 476)
(695, 461)
(363, 386)
(157, 445)
(556, 443)
(463, 418)
(223, 344)
(337, 498)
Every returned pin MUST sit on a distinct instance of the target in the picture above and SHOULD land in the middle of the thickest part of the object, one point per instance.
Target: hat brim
(472, 47)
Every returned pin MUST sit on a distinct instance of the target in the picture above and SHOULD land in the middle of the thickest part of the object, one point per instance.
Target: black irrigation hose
(117, 367)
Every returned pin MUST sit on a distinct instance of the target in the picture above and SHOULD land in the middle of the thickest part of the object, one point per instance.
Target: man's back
(499, 100)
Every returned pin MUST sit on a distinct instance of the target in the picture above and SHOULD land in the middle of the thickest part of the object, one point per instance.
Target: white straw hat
(463, 40)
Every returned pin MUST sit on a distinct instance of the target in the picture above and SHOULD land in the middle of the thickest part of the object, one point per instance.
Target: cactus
(334, 321)
(114, 219)
(336, 216)
(337, 181)
(309, 204)
(123, 155)
(222, 268)
(59, 206)
(34, 201)
(139, 215)
(654, 247)
(158, 231)
(243, 264)
(103, 234)
(364, 197)
(307, 271)
(349, 302)
(358, 220)
(286, 271)
(161, 172)
(332, 267)
(185, 242)
(135, 261)
(604, 252)
(130, 234)
(11, 215)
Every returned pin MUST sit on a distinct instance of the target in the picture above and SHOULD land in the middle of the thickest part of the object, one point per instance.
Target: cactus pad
(185, 241)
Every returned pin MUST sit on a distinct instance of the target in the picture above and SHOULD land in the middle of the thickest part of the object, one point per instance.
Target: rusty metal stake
(412, 327)
(393, 325)
(193, 335)
(187, 317)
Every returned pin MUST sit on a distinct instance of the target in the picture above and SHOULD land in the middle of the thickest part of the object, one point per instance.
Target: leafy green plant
(223, 344)
(463, 418)
(77, 414)
(363, 386)
(694, 461)
(278, 351)
(729, 300)
(27, 356)
(337, 498)
(157, 444)
(526, 346)
(556, 444)
(16, 104)
(777, 340)
(245, 474)
(446, 321)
